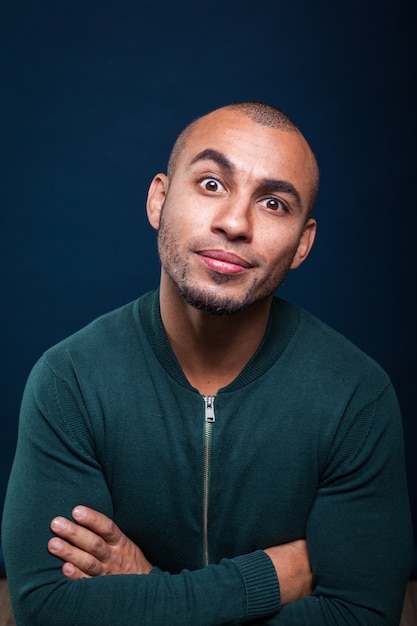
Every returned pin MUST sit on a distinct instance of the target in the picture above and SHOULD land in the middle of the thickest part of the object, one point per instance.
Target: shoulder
(324, 354)
(347, 399)
(107, 339)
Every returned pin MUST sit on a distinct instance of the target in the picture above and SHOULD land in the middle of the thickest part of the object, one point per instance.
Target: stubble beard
(206, 299)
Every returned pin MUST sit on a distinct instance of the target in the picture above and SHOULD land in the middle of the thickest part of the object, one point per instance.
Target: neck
(212, 350)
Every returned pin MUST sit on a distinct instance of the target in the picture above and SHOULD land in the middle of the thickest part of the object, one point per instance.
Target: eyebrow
(209, 154)
(281, 186)
(266, 184)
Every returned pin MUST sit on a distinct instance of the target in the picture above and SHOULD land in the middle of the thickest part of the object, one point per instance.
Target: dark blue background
(92, 96)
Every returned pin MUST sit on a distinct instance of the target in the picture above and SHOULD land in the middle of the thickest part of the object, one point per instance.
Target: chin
(212, 304)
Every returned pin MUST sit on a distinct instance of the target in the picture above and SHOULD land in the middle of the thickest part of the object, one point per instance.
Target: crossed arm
(358, 536)
(95, 546)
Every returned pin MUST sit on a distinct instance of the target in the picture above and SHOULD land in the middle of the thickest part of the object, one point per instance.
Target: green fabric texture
(307, 442)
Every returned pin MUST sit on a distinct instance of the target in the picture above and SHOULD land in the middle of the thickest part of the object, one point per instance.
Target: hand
(94, 546)
(293, 570)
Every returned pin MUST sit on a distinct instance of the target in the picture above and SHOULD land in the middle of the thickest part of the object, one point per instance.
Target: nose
(233, 218)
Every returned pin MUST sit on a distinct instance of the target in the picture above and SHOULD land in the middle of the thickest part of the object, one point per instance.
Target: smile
(224, 262)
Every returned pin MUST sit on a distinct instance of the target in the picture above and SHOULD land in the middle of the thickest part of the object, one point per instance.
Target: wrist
(261, 584)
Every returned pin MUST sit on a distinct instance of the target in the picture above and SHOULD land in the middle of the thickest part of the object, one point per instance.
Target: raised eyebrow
(280, 186)
(209, 154)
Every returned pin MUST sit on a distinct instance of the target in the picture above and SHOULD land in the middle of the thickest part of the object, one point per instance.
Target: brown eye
(211, 184)
(273, 205)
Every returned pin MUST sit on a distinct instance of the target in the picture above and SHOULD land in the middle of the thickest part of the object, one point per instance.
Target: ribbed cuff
(261, 583)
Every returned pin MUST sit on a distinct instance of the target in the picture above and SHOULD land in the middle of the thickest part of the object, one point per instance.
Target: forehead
(255, 151)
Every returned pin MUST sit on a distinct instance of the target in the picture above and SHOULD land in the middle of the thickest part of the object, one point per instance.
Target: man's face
(232, 219)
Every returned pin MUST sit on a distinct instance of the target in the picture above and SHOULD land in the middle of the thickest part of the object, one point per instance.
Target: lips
(224, 262)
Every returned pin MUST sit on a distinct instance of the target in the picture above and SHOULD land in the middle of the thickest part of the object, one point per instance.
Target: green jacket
(305, 442)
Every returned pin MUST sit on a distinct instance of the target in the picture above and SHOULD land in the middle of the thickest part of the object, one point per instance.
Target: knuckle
(112, 533)
(109, 527)
(97, 545)
(92, 567)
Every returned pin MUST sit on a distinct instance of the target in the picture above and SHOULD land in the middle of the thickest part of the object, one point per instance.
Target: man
(210, 430)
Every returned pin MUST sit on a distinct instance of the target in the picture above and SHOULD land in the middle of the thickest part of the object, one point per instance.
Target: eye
(211, 184)
(274, 205)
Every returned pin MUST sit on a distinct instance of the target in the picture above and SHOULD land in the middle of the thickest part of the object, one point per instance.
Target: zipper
(209, 419)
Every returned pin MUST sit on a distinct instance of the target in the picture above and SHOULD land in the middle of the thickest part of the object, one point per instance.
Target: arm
(95, 546)
(358, 535)
(53, 467)
(359, 530)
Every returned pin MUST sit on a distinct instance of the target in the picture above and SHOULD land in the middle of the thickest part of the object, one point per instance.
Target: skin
(208, 211)
(95, 546)
(232, 220)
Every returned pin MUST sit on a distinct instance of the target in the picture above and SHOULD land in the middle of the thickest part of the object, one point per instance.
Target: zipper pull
(209, 412)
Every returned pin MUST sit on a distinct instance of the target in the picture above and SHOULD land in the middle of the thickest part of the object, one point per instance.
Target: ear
(305, 243)
(156, 196)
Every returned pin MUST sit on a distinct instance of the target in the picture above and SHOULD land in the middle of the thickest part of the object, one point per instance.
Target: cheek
(279, 246)
(183, 221)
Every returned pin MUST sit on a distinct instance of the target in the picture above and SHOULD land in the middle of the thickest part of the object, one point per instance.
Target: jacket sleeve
(359, 533)
(52, 472)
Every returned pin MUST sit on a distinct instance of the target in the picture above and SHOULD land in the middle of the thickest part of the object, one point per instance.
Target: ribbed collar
(282, 324)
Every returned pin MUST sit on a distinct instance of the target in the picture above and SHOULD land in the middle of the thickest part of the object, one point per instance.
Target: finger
(72, 572)
(78, 563)
(80, 537)
(98, 523)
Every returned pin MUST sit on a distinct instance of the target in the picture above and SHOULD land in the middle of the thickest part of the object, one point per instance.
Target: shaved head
(262, 114)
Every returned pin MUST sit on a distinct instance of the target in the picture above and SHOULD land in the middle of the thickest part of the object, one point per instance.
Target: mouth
(224, 262)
